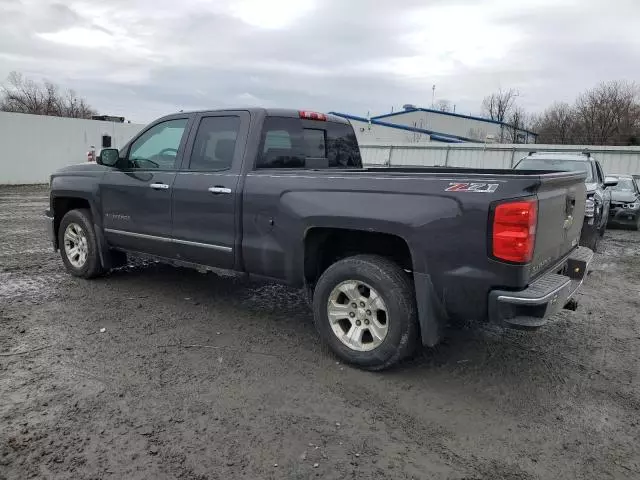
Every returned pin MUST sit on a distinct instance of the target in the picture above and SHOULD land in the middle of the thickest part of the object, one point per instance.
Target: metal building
(464, 127)
(379, 131)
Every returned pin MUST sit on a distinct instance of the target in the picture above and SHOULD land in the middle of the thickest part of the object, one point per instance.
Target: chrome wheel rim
(358, 316)
(76, 246)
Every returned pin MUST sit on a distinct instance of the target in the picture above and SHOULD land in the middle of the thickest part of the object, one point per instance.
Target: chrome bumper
(546, 296)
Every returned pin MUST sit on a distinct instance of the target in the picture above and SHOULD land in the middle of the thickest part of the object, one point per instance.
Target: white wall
(620, 160)
(33, 146)
(449, 124)
(372, 133)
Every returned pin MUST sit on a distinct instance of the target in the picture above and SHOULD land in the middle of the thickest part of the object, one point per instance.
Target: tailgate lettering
(473, 187)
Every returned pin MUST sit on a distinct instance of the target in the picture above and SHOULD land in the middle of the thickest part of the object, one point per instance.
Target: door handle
(159, 186)
(219, 190)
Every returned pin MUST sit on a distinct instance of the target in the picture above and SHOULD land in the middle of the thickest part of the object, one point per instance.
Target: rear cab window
(288, 142)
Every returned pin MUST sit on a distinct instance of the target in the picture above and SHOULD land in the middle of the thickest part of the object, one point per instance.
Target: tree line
(23, 95)
(608, 114)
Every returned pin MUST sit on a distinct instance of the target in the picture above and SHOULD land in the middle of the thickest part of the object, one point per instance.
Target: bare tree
(23, 95)
(558, 124)
(608, 114)
(443, 105)
(498, 105)
(517, 121)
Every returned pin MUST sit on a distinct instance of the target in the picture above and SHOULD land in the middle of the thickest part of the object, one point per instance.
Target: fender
(87, 177)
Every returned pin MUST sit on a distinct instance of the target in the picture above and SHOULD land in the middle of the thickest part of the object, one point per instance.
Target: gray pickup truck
(388, 256)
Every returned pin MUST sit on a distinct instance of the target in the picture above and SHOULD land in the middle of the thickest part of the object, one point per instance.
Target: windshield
(555, 164)
(624, 185)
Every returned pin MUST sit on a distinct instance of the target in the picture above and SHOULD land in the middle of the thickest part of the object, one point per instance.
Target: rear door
(289, 146)
(205, 191)
(136, 194)
(561, 203)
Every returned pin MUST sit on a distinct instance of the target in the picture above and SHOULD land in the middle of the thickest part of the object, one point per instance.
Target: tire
(375, 276)
(592, 242)
(79, 226)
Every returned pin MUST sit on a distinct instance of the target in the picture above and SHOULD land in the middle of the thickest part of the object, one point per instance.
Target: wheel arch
(323, 246)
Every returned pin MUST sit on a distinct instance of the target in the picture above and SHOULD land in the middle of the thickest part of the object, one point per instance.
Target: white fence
(34, 146)
(621, 160)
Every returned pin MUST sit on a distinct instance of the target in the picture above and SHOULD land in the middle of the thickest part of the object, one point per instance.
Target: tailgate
(561, 203)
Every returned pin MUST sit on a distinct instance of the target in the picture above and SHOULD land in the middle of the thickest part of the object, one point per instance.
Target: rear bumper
(546, 296)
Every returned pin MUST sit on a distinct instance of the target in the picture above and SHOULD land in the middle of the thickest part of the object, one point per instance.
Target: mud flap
(103, 248)
(430, 314)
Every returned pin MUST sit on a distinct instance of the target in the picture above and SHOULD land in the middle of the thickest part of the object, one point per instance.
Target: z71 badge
(473, 187)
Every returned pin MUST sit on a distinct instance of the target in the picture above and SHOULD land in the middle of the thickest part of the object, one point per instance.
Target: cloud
(145, 58)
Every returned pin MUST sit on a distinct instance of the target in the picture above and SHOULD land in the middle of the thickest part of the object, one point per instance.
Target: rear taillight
(589, 207)
(514, 231)
(312, 115)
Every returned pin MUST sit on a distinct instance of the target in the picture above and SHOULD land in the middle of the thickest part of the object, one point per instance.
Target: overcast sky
(145, 58)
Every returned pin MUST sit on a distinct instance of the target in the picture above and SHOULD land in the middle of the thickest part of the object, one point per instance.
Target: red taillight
(312, 115)
(514, 231)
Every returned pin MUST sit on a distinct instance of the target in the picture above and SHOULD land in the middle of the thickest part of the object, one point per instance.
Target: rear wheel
(364, 308)
(78, 245)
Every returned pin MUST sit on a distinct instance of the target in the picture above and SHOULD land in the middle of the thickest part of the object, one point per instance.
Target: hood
(619, 196)
(81, 168)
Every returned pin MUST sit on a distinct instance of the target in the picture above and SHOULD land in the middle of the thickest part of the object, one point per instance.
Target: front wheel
(78, 244)
(364, 308)
(592, 241)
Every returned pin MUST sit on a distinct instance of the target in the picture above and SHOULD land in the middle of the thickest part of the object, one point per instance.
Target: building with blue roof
(476, 128)
(418, 125)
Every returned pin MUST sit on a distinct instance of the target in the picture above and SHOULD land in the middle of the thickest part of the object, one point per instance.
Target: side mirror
(108, 157)
(610, 181)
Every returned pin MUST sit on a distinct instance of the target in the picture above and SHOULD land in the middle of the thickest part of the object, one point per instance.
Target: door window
(157, 148)
(215, 144)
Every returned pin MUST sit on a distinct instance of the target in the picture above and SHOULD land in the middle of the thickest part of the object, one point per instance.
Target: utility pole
(433, 96)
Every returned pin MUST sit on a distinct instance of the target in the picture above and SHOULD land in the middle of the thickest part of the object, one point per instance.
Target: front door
(205, 191)
(136, 195)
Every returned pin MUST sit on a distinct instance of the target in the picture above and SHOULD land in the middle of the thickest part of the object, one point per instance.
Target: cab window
(215, 144)
(295, 143)
(157, 148)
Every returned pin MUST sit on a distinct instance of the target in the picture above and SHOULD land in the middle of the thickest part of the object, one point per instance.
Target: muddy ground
(262, 398)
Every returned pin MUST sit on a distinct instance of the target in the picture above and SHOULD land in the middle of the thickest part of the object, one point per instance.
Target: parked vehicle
(598, 192)
(625, 202)
(387, 255)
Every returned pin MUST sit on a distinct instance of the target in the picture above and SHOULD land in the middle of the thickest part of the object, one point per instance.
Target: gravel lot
(260, 397)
